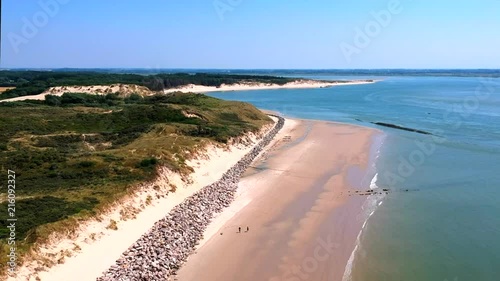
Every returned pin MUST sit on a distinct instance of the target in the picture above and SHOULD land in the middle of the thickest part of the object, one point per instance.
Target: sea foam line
(370, 205)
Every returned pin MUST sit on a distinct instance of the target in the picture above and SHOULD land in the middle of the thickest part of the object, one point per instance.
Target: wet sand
(297, 202)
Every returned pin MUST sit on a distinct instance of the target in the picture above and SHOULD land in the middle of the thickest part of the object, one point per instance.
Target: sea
(441, 218)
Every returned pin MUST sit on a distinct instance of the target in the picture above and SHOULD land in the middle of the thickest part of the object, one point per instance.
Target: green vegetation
(35, 82)
(75, 154)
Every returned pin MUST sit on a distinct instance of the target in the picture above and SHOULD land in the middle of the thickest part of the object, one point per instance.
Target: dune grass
(73, 155)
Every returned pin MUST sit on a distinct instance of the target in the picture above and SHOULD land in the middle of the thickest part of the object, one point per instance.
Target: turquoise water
(447, 226)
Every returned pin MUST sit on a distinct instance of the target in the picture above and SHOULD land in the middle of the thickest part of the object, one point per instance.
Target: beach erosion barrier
(161, 251)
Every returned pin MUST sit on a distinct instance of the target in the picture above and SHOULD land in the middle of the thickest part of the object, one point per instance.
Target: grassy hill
(74, 154)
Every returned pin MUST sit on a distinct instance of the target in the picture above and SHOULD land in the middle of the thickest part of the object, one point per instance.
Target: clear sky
(251, 33)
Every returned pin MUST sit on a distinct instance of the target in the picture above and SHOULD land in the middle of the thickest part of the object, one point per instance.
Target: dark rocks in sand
(161, 251)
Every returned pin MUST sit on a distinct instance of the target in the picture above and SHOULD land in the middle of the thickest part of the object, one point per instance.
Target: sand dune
(122, 89)
(95, 247)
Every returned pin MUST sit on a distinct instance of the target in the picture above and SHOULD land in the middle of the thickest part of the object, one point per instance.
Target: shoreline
(372, 202)
(245, 195)
(282, 239)
(299, 84)
(127, 89)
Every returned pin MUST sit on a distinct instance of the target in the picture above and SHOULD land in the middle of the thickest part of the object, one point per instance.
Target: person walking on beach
(248, 228)
(239, 229)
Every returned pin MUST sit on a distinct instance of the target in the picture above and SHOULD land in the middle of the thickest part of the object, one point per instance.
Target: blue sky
(251, 33)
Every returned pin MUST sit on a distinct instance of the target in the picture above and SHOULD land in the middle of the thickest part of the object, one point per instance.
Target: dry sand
(303, 222)
(3, 89)
(299, 84)
(94, 248)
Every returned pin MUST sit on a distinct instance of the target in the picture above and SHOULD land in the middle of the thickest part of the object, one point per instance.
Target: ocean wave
(373, 183)
(369, 207)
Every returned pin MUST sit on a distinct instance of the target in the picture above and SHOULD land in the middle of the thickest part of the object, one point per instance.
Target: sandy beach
(299, 205)
(299, 84)
(297, 200)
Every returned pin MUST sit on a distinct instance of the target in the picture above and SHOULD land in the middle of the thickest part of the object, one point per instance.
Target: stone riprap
(160, 252)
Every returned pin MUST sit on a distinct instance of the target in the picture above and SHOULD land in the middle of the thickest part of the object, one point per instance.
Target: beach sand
(3, 89)
(299, 84)
(295, 200)
(299, 205)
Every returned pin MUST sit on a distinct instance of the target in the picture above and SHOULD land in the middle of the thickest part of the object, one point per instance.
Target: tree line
(28, 83)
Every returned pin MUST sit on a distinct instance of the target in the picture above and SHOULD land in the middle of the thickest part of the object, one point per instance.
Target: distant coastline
(36, 85)
(298, 84)
(379, 72)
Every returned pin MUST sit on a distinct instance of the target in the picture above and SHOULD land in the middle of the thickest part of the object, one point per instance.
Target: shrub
(148, 162)
(42, 210)
(112, 225)
(72, 98)
(134, 98)
(52, 100)
(86, 164)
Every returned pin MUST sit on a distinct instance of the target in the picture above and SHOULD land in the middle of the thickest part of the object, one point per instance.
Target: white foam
(369, 207)
(373, 183)
(370, 204)
(348, 267)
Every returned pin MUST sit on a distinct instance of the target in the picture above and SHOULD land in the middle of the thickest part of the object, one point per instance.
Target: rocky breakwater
(160, 252)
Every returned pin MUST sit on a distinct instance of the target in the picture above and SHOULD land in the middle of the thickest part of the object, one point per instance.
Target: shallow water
(446, 226)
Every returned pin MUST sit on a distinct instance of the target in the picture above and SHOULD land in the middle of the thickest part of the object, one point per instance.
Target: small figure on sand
(248, 228)
(239, 229)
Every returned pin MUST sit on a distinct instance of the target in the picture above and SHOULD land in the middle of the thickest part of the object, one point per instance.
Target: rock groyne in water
(160, 252)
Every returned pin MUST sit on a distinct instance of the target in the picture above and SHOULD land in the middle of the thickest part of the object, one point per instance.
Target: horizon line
(204, 68)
